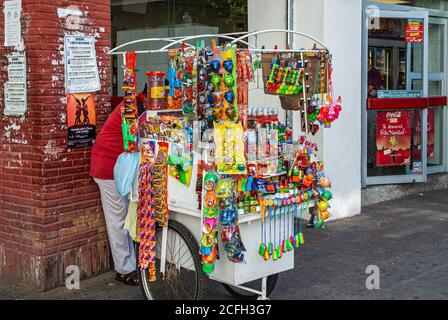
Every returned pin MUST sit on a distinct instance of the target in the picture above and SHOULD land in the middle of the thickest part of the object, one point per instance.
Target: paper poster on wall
(15, 88)
(12, 10)
(81, 69)
(414, 32)
(417, 135)
(393, 138)
(81, 120)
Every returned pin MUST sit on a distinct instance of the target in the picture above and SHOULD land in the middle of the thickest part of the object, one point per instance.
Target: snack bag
(229, 156)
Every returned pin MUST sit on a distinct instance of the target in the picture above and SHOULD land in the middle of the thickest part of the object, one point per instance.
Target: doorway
(404, 66)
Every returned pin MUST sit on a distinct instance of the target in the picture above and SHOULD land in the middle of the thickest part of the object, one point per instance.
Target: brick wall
(50, 213)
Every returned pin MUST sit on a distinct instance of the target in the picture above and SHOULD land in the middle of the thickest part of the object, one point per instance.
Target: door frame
(392, 11)
(443, 77)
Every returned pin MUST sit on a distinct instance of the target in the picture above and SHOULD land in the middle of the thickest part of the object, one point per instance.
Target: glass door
(395, 92)
(437, 87)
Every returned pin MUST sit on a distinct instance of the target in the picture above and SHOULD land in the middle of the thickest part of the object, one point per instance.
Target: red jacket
(107, 147)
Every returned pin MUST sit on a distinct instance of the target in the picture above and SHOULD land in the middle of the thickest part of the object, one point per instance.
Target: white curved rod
(278, 30)
(206, 36)
(143, 40)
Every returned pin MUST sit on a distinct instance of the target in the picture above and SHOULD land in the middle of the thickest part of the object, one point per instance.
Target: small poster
(81, 69)
(414, 32)
(15, 87)
(417, 135)
(12, 10)
(393, 138)
(81, 120)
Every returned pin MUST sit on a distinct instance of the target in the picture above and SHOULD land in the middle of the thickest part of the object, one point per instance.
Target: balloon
(322, 205)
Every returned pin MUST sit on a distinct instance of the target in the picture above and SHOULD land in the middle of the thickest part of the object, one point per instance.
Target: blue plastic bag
(125, 170)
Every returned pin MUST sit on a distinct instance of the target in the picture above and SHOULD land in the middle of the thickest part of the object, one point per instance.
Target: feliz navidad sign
(393, 138)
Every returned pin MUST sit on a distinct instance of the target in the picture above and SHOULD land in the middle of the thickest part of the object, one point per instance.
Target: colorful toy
(129, 112)
(229, 157)
(146, 221)
(209, 223)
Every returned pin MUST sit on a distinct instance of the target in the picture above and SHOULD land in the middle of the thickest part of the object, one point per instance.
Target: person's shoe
(130, 278)
(310, 225)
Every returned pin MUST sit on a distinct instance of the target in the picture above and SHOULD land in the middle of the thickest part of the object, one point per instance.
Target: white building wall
(342, 33)
(337, 23)
(266, 14)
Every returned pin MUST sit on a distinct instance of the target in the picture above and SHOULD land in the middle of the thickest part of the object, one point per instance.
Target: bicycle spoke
(181, 274)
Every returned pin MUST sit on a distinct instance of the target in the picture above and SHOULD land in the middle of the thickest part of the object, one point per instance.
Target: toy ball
(326, 195)
(215, 64)
(228, 80)
(230, 111)
(216, 81)
(210, 200)
(228, 65)
(322, 205)
(325, 182)
(230, 96)
(210, 181)
(325, 215)
(211, 212)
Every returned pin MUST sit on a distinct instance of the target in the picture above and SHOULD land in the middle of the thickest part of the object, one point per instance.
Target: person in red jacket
(105, 151)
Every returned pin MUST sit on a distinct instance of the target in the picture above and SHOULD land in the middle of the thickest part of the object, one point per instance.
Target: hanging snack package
(147, 222)
(174, 98)
(159, 184)
(188, 78)
(129, 112)
(229, 156)
(244, 75)
(230, 233)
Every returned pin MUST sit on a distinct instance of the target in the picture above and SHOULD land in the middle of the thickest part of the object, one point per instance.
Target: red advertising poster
(393, 138)
(414, 32)
(81, 119)
(417, 135)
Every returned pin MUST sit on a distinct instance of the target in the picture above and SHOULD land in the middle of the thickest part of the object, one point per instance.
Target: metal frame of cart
(184, 210)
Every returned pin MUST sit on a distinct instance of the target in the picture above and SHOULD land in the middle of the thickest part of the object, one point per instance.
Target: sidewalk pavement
(407, 239)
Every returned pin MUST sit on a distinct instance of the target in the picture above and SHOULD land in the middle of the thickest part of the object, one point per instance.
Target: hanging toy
(291, 211)
(262, 250)
(147, 222)
(129, 112)
(209, 223)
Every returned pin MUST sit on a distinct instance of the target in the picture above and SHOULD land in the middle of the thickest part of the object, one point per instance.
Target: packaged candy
(229, 156)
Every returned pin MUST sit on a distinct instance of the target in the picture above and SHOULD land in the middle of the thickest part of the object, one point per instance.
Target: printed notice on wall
(12, 10)
(15, 87)
(81, 69)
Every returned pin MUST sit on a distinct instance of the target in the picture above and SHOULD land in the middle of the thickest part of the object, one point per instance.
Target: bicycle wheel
(241, 294)
(184, 279)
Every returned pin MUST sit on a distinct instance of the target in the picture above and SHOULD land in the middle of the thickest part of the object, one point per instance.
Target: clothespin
(213, 43)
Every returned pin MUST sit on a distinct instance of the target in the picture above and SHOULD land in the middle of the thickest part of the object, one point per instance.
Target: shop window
(139, 19)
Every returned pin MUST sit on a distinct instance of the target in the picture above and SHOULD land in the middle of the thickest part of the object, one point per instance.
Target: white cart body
(183, 207)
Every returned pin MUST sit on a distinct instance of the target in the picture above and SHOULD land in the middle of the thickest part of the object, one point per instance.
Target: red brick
(43, 192)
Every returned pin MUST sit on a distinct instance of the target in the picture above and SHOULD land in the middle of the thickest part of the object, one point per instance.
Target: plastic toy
(209, 223)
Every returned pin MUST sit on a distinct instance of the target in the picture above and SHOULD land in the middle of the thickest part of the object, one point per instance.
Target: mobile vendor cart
(177, 245)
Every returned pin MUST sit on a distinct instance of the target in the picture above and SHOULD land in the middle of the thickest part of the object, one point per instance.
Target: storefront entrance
(404, 94)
